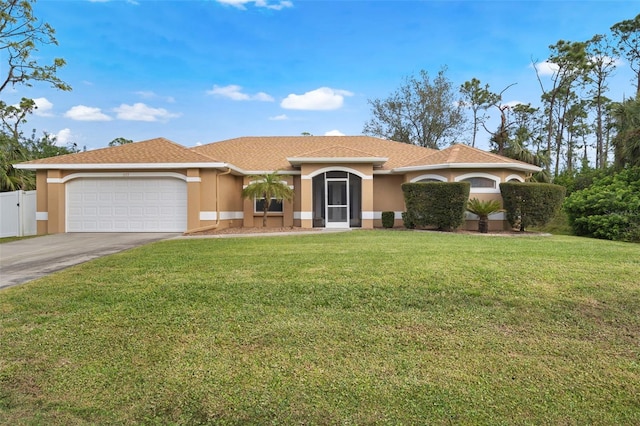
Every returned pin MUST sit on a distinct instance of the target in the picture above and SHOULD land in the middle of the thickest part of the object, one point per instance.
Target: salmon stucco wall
(252, 219)
(388, 197)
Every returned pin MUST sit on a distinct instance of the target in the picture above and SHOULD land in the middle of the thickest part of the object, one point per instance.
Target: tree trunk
(483, 224)
(266, 203)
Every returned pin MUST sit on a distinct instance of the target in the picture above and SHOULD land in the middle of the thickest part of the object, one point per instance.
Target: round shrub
(388, 219)
(609, 208)
(439, 204)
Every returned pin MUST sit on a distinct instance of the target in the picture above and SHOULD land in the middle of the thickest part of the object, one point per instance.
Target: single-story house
(339, 181)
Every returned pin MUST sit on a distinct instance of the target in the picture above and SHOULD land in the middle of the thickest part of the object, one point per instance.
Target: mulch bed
(242, 231)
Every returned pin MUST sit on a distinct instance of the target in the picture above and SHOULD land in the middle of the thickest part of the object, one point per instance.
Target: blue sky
(201, 71)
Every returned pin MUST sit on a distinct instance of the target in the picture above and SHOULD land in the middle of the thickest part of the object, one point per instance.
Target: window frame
(274, 201)
(481, 190)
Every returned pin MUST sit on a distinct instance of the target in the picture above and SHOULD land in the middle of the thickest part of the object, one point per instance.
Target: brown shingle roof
(255, 154)
(462, 154)
(271, 153)
(159, 150)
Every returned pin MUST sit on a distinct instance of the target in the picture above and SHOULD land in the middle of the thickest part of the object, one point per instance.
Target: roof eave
(510, 166)
(118, 166)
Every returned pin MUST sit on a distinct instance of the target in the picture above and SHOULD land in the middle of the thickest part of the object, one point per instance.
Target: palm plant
(12, 179)
(483, 209)
(268, 186)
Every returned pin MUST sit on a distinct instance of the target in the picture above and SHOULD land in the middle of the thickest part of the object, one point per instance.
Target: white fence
(17, 214)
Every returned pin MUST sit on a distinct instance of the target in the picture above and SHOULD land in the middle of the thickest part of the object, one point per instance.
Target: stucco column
(248, 206)
(42, 209)
(306, 198)
(287, 219)
(55, 202)
(193, 198)
(367, 203)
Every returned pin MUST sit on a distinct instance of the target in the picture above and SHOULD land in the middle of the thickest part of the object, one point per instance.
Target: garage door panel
(126, 205)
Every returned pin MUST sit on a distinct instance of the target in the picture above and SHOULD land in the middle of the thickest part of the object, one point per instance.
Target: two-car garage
(126, 204)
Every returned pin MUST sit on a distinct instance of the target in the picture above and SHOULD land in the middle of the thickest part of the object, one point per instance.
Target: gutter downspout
(215, 225)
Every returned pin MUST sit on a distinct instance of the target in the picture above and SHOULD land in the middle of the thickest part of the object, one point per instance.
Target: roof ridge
(483, 152)
(330, 148)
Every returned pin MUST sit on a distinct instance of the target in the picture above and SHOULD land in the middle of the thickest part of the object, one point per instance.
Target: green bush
(576, 181)
(609, 208)
(388, 219)
(531, 204)
(407, 220)
(439, 204)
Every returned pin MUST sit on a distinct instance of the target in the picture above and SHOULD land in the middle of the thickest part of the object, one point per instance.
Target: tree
(602, 56)
(477, 99)
(421, 112)
(47, 146)
(20, 35)
(570, 62)
(626, 142)
(120, 141)
(12, 152)
(268, 187)
(628, 35)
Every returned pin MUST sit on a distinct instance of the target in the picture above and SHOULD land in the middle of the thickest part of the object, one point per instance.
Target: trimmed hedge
(609, 208)
(439, 204)
(531, 204)
(388, 219)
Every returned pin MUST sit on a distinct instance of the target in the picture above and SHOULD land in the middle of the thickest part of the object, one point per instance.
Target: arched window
(428, 178)
(481, 183)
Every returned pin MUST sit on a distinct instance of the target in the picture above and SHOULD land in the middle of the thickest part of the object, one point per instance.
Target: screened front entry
(337, 200)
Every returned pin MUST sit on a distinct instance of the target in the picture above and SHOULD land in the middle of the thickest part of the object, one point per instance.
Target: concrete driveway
(26, 260)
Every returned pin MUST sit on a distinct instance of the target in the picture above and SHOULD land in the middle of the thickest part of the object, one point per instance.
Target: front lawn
(364, 327)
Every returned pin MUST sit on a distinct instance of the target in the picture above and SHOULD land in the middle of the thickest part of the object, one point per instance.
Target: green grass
(365, 327)
(9, 239)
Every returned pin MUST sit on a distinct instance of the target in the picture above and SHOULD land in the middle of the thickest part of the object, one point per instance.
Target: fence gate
(17, 213)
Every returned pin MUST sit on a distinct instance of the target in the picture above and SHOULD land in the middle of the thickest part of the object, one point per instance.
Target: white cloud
(234, 92)
(334, 133)
(324, 98)
(607, 60)
(240, 4)
(148, 94)
(546, 68)
(511, 104)
(85, 113)
(63, 137)
(142, 112)
(279, 117)
(43, 107)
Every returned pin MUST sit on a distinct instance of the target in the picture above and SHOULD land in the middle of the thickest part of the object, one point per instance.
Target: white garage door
(126, 205)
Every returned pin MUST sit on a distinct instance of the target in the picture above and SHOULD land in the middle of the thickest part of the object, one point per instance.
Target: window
(275, 206)
(429, 178)
(480, 182)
